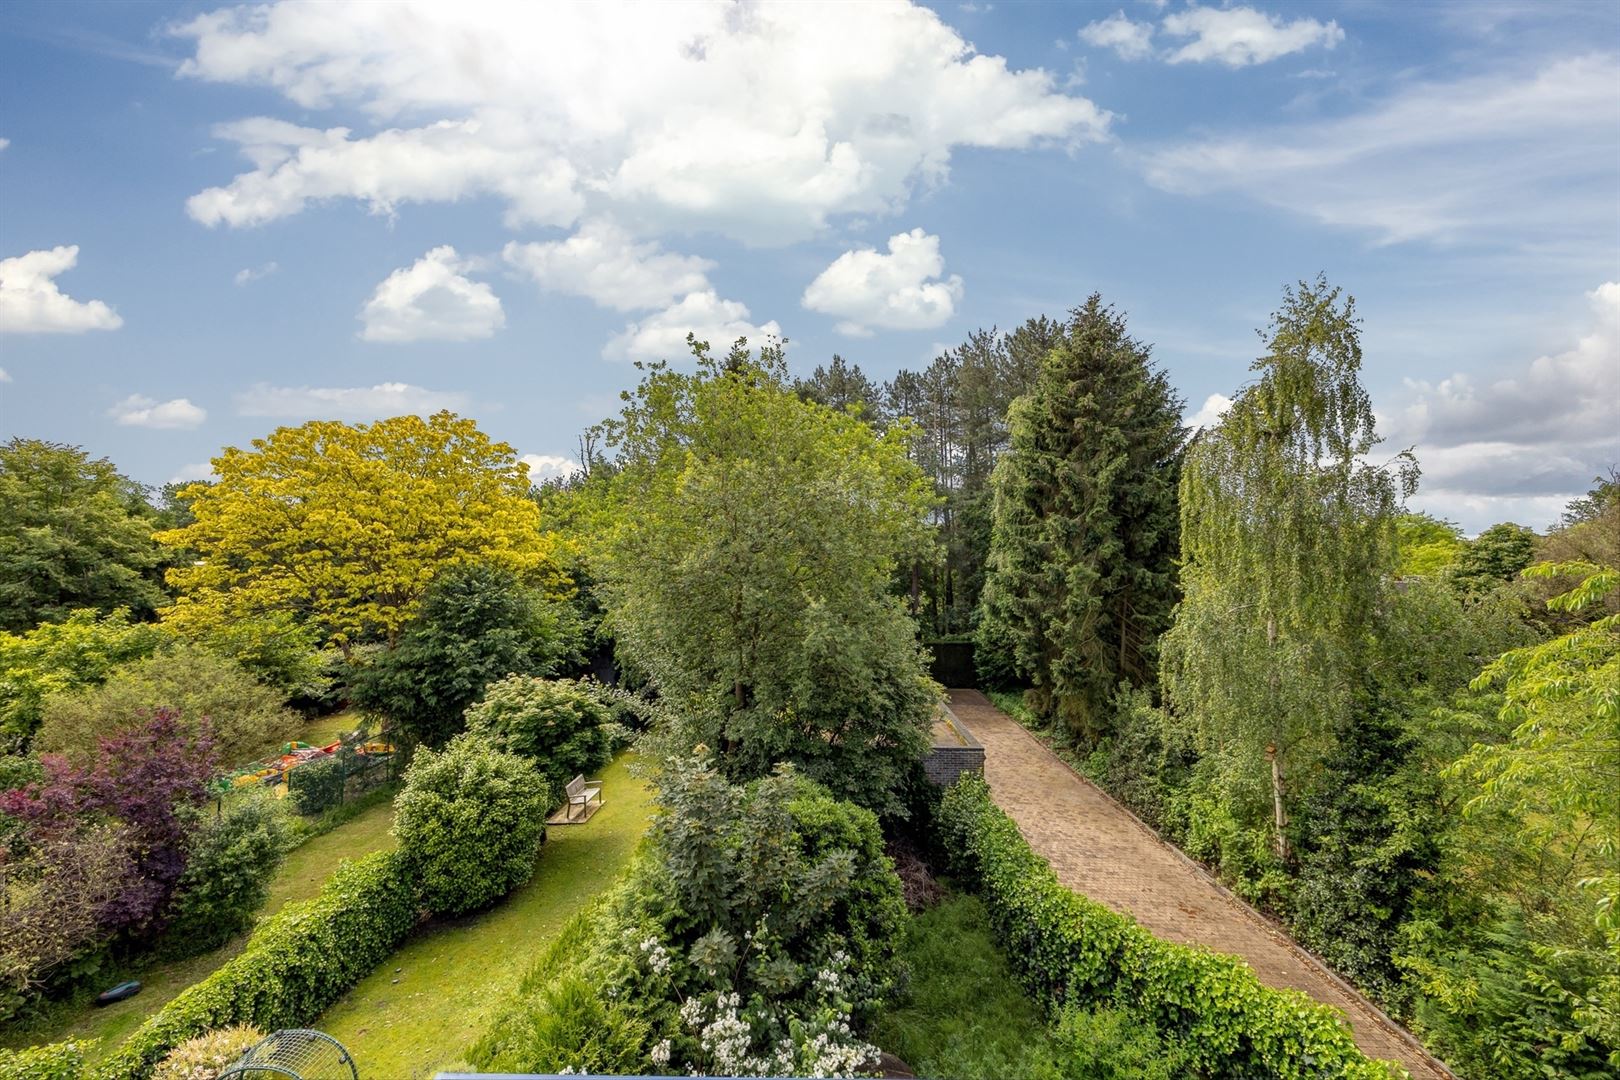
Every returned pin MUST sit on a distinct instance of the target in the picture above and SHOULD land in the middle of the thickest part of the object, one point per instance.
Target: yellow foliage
(345, 525)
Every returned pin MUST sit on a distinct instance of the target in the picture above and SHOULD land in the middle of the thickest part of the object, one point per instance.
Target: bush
(80, 651)
(563, 727)
(318, 785)
(56, 1061)
(206, 1056)
(245, 716)
(470, 822)
(296, 964)
(1074, 951)
(227, 877)
(19, 770)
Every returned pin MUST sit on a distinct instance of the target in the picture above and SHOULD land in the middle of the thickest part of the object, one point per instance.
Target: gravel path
(1099, 849)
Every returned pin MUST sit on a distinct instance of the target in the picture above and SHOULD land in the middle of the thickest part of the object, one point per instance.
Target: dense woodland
(1402, 742)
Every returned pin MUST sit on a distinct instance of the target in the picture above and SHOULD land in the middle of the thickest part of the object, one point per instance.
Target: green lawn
(326, 729)
(420, 1011)
(303, 872)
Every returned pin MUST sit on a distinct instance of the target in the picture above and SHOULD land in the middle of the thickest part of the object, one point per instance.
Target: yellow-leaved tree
(344, 525)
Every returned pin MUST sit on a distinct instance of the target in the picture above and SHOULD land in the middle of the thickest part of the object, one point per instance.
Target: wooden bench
(580, 793)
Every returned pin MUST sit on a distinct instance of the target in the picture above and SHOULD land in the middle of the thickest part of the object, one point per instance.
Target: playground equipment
(274, 771)
(299, 1053)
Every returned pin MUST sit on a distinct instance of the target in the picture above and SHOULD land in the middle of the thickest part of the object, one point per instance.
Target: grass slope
(303, 872)
(418, 1012)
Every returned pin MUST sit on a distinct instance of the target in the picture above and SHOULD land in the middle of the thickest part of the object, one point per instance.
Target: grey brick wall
(945, 763)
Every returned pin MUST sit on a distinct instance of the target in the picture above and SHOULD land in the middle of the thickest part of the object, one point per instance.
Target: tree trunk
(1278, 811)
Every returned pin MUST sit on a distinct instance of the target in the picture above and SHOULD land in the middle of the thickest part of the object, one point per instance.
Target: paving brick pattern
(1101, 850)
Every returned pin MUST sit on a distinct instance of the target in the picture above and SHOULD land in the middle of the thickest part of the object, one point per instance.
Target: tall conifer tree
(1081, 577)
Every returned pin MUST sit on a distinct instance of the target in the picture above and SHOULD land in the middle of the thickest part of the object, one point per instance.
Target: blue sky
(215, 220)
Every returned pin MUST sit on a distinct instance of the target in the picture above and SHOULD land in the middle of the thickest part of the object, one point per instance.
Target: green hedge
(56, 1061)
(296, 964)
(1071, 950)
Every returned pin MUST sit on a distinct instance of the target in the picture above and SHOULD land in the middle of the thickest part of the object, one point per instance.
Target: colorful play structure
(274, 771)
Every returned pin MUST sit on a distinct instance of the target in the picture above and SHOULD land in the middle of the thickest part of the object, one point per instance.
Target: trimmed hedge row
(1074, 951)
(296, 964)
(56, 1061)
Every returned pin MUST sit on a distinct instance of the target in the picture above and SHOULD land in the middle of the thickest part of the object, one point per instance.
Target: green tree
(559, 725)
(476, 624)
(345, 525)
(1428, 544)
(1082, 577)
(843, 386)
(746, 544)
(80, 651)
(1496, 555)
(1287, 540)
(74, 533)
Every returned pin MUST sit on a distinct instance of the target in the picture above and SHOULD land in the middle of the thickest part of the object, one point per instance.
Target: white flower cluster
(656, 956)
(826, 1047)
(830, 979)
(660, 1053)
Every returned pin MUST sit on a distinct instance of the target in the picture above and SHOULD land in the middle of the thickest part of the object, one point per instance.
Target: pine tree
(1081, 578)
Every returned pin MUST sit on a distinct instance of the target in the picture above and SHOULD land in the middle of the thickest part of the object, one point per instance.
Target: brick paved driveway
(1100, 849)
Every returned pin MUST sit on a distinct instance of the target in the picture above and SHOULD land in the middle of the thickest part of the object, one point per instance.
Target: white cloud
(5, 376)
(903, 290)
(662, 336)
(1524, 159)
(344, 403)
(1131, 40)
(30, 302)
(604, 263)
(549, 466)
(138, 410)
(1210, 413)
(1524, 444)
(430, 300)
(187, 474)
(250, 274)
(1240, 36)
(4, 143)
(756, 121)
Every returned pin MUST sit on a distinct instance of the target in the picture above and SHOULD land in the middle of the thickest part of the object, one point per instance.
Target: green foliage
(968, 1018)
(1288, 538)
(1496, 555)
(1073, 951)
(470, 822)
(206, 1056)
(54, 658)
(229, 864)
(1080, 577)
(245, 717)
(317, 786)
(296, 964)
(74, 533)
(56, 1061)
(843, 387)
(476, 624)
(1428, 545)
(17, 770)
(274, 648)
(572, 1027)
(747, 542)
(561, 726)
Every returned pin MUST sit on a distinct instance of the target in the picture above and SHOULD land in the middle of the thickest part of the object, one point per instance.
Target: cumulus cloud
(1522, 445)
(1210, 413)
(549, 467)
(138, 410)
(346, 402)
(902, 290)
(758, 122)
(250, 274)
(1240, 36)
(30, 302)
(1519, 158)
(431, 300)
(603, 263)
(1130, 40)
(662, 336)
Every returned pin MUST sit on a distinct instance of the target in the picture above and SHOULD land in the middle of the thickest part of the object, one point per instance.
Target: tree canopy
(74, 533)
(345, 525)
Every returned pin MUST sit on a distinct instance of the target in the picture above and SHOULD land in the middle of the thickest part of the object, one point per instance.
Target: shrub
(1074, 951)
(245, 716)
(19, 770)
(476, 624)
(296, 964)
(318, 785)
(77, 652)
(227, 877)
(55, 1061)
(206, 1056)
(470, 822)
(562, 726)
